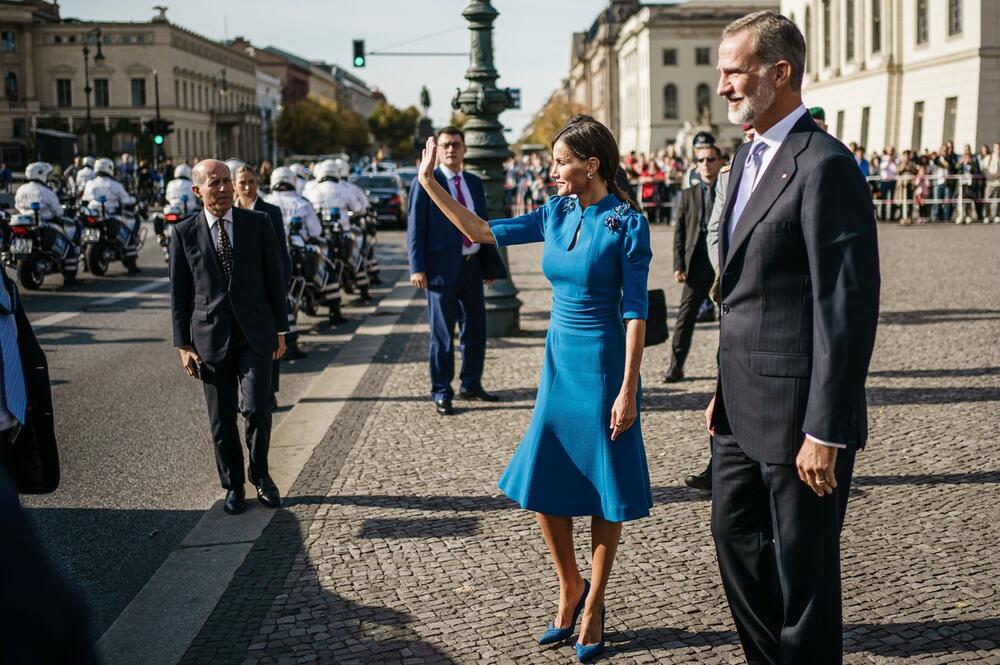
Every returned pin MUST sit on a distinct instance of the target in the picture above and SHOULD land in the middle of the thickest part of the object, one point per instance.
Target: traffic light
(359, 53)
(158, 129)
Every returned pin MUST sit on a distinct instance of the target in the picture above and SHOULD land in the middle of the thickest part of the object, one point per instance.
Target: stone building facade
(908, 73)
(207, 90)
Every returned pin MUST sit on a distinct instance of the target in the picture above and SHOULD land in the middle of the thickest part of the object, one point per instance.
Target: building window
(826, 33)
(954, 17)
(669, 57)
(840, 125)
(849, 29)
(64, 93)
(184, 92)
(917, 136)
(876, 26)
(102, 96)
(921, 21)
(57, 39)
(703, 56)
(950, 112)
(10, 86)
(704, 96)
(126, 39)
(8, 41)
(810, 64)
(865, 116)
(138, 92)
(670, 102)
(140, 39)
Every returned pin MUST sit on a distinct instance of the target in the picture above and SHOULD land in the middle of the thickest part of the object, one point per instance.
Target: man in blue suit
(452, 270)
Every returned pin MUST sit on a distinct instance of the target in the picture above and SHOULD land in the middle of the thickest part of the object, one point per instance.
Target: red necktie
(460, 197)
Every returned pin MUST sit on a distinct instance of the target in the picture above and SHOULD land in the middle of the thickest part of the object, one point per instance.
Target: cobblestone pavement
(396, 546)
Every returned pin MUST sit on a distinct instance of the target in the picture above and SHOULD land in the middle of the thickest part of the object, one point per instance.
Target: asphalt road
(137, 463)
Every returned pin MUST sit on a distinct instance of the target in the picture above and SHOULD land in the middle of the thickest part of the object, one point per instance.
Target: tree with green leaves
(394, 128)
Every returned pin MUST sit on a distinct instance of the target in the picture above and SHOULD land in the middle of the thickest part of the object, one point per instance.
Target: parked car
(407, 174)
(387, 196)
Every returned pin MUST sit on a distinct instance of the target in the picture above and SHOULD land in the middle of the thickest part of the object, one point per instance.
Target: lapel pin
(784, 175)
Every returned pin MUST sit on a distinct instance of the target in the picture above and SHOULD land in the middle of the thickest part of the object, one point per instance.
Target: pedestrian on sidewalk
(228, 308)
(452, 270)
(583, 453)
(692, 266)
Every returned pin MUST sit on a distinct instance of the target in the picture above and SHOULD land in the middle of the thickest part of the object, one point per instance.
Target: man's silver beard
(752, 107)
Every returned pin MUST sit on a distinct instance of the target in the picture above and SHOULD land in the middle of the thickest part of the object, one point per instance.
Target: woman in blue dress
(583, 453)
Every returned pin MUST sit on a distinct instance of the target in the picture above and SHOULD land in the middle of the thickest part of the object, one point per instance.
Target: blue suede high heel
(553, 634)
(585, 652)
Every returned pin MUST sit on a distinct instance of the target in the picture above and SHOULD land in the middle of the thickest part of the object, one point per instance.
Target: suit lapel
(204, 238)
(773, 182)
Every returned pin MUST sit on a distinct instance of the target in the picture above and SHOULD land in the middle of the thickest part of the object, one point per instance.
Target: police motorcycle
(38, 248)
(311, 270)
(39, 240)
(181, 203)
(108, 234)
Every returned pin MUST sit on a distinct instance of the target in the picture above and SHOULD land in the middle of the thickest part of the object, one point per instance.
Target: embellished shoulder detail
(565, 204)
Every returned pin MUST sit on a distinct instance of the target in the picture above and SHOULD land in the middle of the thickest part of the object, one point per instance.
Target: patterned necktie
(748, 181)
(460, 197)
(225, 249)
(14, 391)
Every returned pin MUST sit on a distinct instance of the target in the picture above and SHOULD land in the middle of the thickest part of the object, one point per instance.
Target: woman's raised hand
(428, 160)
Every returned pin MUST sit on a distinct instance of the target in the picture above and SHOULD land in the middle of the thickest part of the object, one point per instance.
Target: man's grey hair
(775, 38)
(199, 174)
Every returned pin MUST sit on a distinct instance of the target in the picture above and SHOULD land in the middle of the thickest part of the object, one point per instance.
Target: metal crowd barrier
(965, 198)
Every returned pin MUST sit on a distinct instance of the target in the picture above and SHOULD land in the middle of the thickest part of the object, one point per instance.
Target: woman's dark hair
(586, 138)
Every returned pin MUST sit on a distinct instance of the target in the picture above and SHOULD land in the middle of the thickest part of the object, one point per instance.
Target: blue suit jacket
(435, 245)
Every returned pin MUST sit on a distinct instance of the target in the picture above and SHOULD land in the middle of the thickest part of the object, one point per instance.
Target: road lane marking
(56, 319)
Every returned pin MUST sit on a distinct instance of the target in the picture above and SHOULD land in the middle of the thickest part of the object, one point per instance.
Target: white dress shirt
(466, 194)
(227, 220)
(772, 138)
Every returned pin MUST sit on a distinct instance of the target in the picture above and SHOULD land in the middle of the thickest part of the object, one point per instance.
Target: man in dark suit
(227, 299)
(452, 269)
(692, 267)
(799, 292)
(28, 453)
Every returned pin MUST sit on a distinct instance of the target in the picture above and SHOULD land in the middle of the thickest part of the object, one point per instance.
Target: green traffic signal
(359, 61)
(359, 53)
(158, 139)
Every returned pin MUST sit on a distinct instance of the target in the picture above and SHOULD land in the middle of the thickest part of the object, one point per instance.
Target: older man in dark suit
(452, 269)
(227, 298)
(799, 291)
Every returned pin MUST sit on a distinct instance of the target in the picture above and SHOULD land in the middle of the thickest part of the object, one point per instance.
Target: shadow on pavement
(903, 396)
(936, 373)
(969, 478)
(929, 316)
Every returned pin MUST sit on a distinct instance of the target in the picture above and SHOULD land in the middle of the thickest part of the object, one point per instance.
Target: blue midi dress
(566, 463)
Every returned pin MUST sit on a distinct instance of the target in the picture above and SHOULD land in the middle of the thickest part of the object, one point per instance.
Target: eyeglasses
(710, 160)
(450, 144)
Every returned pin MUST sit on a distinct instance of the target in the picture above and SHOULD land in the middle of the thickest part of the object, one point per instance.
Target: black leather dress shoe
(267, 493)
(235, 502)
(673, 376)
(479, 394)
(294, 353)
(444, 407)
(700, 481)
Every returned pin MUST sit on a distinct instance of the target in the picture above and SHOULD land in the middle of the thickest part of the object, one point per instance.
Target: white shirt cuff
(825, 443)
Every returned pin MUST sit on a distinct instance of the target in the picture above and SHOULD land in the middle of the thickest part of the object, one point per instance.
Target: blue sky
(531, 39)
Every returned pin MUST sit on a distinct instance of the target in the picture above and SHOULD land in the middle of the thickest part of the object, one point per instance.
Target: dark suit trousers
(778, 546)
(463, 303)
(241, 382)
(696, 287)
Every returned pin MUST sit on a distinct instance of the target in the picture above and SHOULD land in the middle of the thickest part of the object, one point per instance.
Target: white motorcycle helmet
(234, 166)
(326, 169)
(38, 171)
(105, 166)
(88, 161)
(182, 171)
(300, 170)
(283, 175)
(343, 168)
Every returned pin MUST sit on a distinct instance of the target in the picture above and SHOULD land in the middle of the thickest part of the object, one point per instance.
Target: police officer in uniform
(326, 195)
(50, 211)
(293, 205)
(84, 174)
(104, 186)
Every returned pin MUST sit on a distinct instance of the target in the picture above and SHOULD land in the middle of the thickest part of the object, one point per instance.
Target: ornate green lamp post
(482, 102)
